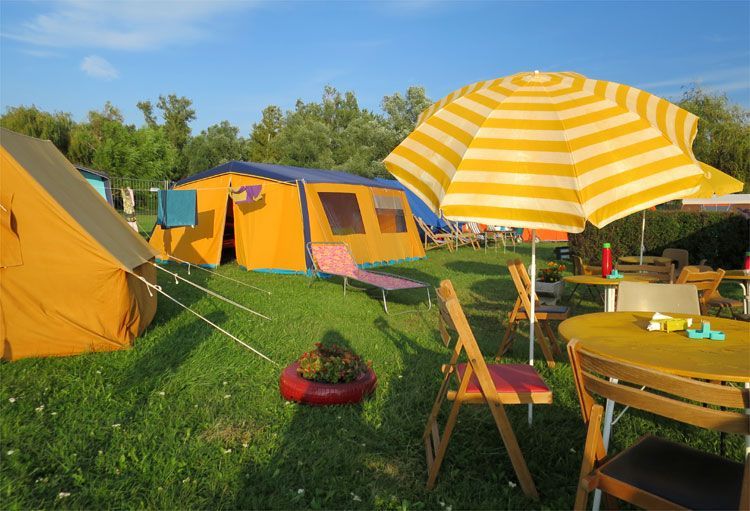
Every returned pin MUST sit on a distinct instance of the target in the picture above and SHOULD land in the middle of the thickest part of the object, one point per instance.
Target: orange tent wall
(545, 235)
(68, 295)
(269, 233)
(200, 244)
(374, 246)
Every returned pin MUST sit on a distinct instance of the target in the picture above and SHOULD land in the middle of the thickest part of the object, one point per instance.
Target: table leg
(609, 409)
(609, 298)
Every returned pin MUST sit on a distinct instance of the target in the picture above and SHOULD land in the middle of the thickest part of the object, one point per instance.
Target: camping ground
(189, 419)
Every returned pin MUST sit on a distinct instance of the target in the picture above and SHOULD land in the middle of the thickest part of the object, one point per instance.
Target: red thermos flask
(606, 260)
(747, 260)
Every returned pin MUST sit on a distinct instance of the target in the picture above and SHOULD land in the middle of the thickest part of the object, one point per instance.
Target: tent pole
(532, 312)
(643, 233)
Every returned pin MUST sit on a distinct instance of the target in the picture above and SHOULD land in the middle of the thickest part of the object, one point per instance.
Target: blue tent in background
(99, 180)
(418, 207)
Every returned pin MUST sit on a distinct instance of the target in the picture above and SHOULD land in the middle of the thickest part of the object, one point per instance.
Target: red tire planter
(295, 388)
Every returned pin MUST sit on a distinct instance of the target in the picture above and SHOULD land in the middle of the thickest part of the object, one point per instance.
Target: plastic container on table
(606, 260)
(747, 260)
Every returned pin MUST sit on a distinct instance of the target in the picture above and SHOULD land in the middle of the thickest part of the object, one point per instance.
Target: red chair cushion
(508, 378)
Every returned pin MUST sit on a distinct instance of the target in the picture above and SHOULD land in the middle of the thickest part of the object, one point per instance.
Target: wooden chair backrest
(679, 255)
(579, 268)
(452, 316)
(665, 394)
(664, 273)
(696, 267)
(522, 281)
(643, 296)
(577, 265)
(707, 283)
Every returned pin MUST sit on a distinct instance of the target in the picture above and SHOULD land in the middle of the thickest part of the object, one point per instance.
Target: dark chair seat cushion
(678, 473)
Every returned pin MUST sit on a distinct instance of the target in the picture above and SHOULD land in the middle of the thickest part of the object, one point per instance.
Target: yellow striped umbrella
(548, 150)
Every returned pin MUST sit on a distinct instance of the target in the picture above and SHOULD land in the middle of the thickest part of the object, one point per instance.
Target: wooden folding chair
(477, 383)
(707, 282)
(462, 238)
(662, 272)
(434, 239)
(655, 473)
(544, 334)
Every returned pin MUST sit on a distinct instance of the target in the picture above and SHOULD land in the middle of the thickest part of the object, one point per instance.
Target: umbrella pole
(532, 312)
(643, 233)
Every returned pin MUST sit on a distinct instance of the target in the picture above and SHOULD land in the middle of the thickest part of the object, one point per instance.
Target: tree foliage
(37, 123)
(332, 133)
(723, 138)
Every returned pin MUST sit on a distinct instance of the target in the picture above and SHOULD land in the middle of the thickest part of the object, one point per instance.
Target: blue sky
(234, 58)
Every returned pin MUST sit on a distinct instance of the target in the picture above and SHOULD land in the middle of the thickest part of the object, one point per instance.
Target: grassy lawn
(189, 419)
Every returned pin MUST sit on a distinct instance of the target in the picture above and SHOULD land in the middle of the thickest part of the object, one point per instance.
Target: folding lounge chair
(434, 239)
(337, 259)
(463, 238)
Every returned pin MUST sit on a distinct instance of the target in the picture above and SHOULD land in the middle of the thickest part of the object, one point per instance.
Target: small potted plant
(549, 283)
(328, 375)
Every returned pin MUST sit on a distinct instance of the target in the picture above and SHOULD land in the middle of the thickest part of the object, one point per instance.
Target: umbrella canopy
(713, 183)
(548, 150)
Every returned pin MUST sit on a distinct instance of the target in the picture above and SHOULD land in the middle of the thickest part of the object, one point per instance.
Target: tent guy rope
(191, 265)
(217, 295)
(234, 338)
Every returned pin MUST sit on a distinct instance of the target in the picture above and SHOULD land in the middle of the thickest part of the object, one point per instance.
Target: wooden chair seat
(517, 379)
(676, 473)
(544, 312)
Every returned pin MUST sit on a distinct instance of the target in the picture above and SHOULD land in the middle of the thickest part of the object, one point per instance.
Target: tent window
(342, 211)
(390, 211)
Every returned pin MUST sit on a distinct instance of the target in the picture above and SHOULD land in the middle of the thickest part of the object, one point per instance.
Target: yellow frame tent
(72, 273)
(294, 206)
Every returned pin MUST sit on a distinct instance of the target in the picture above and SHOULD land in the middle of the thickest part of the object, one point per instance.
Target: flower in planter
(552, 273)
(331, 364)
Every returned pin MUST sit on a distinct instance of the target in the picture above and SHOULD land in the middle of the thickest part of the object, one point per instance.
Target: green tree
(218, 144)
(148, 113)
(402, 111)
(262, 146)
(723, 138)
(40, 124)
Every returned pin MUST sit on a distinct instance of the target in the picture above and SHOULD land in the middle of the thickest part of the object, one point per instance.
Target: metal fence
(144, 193)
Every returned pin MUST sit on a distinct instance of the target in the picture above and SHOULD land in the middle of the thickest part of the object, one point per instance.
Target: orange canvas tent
(277, 210)
(70, 267)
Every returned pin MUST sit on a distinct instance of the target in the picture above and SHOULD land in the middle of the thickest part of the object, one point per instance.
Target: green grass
(189, 419)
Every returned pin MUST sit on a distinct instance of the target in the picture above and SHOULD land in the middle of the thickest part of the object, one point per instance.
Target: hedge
(720, 238)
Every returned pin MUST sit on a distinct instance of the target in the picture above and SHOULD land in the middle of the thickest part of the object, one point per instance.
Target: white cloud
(727, 80)
(121, 24)
(98, 67)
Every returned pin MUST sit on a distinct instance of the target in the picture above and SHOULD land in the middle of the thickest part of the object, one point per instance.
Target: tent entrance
(228, 252)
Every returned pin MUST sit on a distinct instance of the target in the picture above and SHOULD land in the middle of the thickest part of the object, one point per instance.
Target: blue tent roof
(418, 207)
(286, 174)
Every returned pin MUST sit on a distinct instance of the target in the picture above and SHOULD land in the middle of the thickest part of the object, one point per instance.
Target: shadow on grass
(475, 267)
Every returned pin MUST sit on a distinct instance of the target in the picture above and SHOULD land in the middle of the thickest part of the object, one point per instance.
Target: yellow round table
(741, 277)
(623, 336)
(646, 260)
(609, 285)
